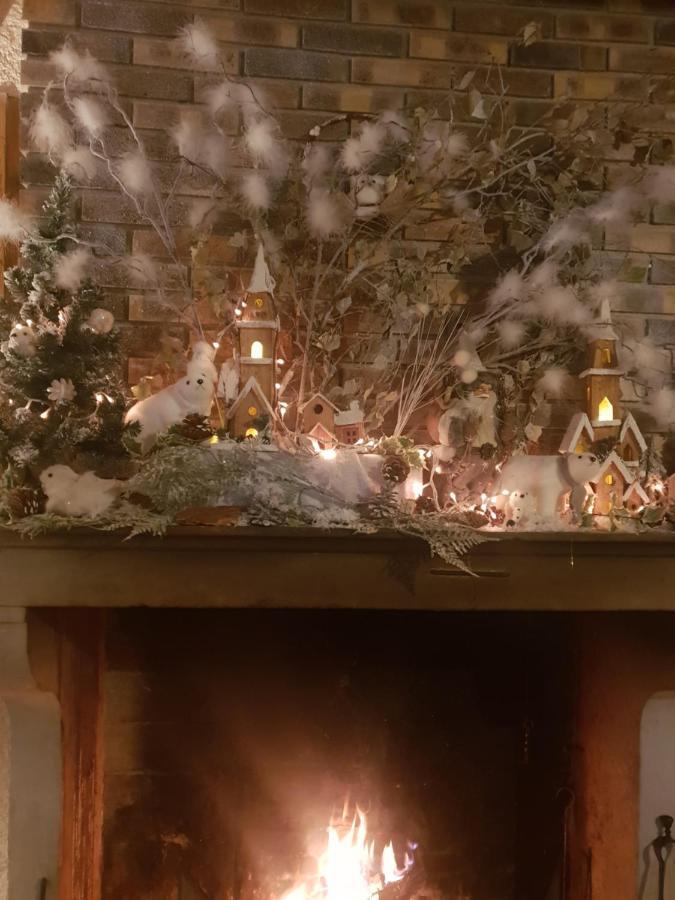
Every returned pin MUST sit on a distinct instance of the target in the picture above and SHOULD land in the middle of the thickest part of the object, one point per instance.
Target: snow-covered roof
(615, 460)
(262, 281)
(323, 398)
(630, 426)
(603, 327)
(251, 385)
(578, 424)
(321, 433)
(351, 416)
(636, 487)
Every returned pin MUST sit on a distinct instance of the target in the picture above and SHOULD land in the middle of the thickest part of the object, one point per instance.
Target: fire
(348, 870)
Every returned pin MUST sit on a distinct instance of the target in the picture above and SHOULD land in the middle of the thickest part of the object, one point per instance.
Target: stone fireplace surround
(589, 623)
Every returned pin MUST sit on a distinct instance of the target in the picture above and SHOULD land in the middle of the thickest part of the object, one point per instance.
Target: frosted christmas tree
(62, 394)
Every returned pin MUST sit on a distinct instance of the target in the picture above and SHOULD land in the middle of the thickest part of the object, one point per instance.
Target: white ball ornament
(468, 376)
(101, 320)
(462, 358)
(61, 390)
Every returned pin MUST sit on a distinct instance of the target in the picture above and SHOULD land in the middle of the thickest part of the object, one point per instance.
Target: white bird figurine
(70, 494)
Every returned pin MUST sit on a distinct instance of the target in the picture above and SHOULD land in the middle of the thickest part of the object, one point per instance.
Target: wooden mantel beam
(253, 567)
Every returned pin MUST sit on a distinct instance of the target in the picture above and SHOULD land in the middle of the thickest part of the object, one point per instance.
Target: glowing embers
(349, 869)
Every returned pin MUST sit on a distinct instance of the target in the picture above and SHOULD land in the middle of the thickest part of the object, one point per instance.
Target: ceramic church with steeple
(257, 330)
(618, 484)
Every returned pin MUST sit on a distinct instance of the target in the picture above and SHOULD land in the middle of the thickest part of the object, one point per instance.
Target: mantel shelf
(308, 568)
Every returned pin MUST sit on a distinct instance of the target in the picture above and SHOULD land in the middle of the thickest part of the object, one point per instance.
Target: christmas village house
(257, 331)
(617, 484)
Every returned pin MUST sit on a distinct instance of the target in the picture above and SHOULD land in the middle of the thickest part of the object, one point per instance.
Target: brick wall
(318, 56)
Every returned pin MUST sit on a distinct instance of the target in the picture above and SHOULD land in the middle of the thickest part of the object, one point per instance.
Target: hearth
(233, 738)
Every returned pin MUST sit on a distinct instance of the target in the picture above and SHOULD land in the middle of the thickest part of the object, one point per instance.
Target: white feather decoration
(135, 173)
(71, 268)
(199, 45)
(79, 163)
(351, 155)
(510, 287)
(13, 223)
(187, 135)
(544, 275)
(255, 191)
(91, 115)
(396, 125)
(663, 406)
(457, 145)
(615, 206)
(359, 151)
(260, 140)
(78, 67)
(49, 131)
(142, 268)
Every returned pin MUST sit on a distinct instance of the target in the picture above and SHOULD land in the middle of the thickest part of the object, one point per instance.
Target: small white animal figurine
(192, 394)
(22, 341)
(70, 494)
(205, 353)
(548, 478)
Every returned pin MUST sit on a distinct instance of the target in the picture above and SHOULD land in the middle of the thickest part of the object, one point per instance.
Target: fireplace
(514, 753)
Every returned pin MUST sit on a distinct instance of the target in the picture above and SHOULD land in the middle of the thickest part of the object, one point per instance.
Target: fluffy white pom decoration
(553, 381)
(260, 139)
(197, 43)
(323, 214)
(663, 406)
(135, 174)
(49, 131)
(510, 287)
(187, 135)
(71, 268)
(79, 163)
(255, 191)
(511, 333)
(462, 358)
(13, 223)
(469, 375)
(91, 115)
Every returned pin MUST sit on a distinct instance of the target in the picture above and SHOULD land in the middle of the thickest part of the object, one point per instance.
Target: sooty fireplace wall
(231, 736)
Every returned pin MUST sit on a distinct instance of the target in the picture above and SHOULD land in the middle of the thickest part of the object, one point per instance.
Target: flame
(347, 868)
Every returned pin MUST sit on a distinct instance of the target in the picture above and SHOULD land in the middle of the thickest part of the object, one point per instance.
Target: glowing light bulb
(45, 414)
(237, 312)
(278, 385)
(251, 433)
(281, 362)
(605, 410)
(328, 453)
(256, 350)
(216, 345)
(214, 439)
(99, 398)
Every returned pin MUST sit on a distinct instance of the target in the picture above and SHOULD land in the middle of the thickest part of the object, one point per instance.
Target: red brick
(600, 86)
(295, 64)
(351, 98)
(304, 9)
(253, 31)
(402, 72)
(418, 13)
(342, 39)
(141, 18)
(430, 45)
(495, 20)
(557, 55)
(160, 52)
(134, 81)
(106, 47)
(664, 32)
(602, 28)
(659, 60)
(50, 12)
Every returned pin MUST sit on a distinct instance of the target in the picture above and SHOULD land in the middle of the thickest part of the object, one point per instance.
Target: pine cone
(195, 428)
(25, 501)
(395, 469)
(424, 505)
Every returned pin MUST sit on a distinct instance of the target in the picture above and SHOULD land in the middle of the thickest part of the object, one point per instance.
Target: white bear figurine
(519, 509)
(548, 478)
(70, 494)
(22, 341)
(192, 394)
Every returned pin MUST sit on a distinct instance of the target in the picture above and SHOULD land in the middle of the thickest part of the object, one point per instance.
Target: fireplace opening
(234, 738)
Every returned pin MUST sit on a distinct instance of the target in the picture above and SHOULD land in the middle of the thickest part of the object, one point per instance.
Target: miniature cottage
(318, 410)
(257, 331)
(349, 425)
(611, 485)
